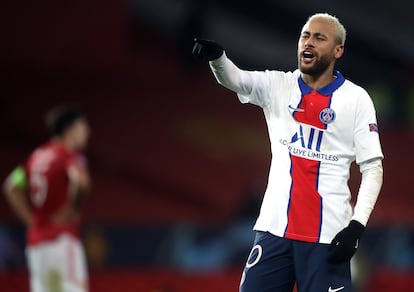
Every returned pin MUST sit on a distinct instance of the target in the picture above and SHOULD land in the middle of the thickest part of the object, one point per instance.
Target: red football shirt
(47, 170)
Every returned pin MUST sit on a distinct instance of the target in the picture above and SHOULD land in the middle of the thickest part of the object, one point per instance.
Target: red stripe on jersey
(305, 203)
(311, 106)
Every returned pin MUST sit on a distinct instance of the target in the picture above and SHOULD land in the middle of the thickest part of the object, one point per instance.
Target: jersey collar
(327, 89)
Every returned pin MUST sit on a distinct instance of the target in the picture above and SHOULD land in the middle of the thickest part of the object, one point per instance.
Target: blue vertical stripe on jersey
(317, 189)
(290, 193)
(319, 142)
(301, 136)
(310, 141)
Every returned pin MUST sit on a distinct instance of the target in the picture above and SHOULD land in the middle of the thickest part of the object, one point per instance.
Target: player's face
(318, 47)
(79, 133)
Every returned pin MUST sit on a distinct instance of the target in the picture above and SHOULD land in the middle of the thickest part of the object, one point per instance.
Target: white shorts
(58, 265)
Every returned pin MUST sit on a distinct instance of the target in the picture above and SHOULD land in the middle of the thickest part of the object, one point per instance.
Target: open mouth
(308, 56)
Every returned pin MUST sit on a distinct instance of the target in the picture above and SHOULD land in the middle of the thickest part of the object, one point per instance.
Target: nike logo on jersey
(294, 109)
(330, 289)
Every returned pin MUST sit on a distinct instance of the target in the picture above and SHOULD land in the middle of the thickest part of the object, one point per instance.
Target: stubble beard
(320, 66)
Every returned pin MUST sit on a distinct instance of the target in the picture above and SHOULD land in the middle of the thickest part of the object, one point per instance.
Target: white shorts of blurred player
(58, 265)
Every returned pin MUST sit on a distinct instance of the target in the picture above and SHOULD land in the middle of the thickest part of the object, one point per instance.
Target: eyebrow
(317, 34)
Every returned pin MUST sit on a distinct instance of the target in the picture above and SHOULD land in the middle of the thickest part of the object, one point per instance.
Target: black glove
(345, 243)
(207, 50)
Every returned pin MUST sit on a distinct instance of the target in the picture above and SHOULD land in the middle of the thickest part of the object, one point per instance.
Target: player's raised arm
(14, 188)
(226, 73)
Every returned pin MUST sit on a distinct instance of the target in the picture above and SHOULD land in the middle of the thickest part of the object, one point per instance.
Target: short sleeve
(367, 144)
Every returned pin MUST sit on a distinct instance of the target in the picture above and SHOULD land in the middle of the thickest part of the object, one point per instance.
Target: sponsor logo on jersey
(308, 146)
(295, 109)
(327, 115)
(309, 153)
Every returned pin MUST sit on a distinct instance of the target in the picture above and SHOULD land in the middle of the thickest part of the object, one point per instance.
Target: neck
(66, 142)
(318, 81)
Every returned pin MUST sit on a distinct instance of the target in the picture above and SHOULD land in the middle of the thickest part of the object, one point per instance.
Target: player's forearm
(18, 202)
(78, 197)
(14, 188)
(230, 76)
(69, 214)
(80, 184)
(371, 182)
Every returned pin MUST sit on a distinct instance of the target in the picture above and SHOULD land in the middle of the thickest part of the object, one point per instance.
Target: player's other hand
(345, 243)
(207, 50)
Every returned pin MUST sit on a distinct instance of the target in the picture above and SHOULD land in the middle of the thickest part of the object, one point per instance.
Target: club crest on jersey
(327, 115)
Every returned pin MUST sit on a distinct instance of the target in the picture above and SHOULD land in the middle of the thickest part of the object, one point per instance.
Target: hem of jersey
(243, 99)
(268, 230)
(313, 239)
(37, 241)
(295, 237)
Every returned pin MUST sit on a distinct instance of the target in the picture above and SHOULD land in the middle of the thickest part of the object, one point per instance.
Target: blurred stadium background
(178, 165)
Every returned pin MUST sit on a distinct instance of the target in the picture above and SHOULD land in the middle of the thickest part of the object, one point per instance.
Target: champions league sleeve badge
(327, 115)
(373, 128)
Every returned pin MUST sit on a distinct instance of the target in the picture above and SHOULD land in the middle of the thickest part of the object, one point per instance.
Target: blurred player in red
(55, 178)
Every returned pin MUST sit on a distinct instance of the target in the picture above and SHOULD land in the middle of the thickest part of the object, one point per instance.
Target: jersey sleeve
(18, 178)
(255, 87)
(267, 88)
(367, 144)
(259, 94)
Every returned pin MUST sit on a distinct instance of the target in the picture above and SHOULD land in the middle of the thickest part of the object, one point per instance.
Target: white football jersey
(315, 135)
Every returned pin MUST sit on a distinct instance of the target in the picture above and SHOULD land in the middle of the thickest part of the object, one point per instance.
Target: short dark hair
(62, 117)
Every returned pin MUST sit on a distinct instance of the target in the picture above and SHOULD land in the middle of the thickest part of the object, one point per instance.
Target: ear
(339, 51)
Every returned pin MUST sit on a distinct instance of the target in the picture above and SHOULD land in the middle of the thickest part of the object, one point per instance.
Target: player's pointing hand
(207, 50)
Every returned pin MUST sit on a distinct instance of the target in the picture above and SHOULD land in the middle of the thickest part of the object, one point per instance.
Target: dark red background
(168, 143)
